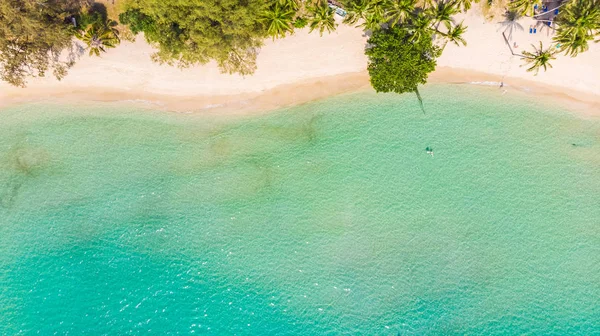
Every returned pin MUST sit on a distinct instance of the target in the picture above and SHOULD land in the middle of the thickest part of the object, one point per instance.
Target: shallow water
(327, 218)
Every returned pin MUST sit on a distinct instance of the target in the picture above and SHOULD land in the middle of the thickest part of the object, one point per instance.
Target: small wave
(143, 101)
(487, 83)
(211, 106)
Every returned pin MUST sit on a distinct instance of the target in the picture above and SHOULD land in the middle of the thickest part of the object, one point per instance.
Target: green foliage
(403, 45)
(578, 23)
(373, 13)
(188, 32)
(300, 22)
(420, 26)
(99, 36)
(357, 10)
(36, 37)
(540, 58)
(397, 62)
(321, 17)
(398, 11)
(137, 21)
(278, 20)
(465, 5)
(454, 35)
(441, 12)
(289, 4)
(525, 7)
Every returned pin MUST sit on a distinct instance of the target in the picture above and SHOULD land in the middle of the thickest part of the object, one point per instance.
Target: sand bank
(305, 67)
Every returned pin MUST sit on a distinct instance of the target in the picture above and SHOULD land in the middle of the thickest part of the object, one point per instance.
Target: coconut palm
(510, 23)
(465, 5)
(112, 26)
(420, 26)
(525, 7)
(378, 8)
(572, 45)
(356, 10)
(540, 58)
(289, 4)
(397, 11)
(375, 15)
(454, 35)
(578, 23)
(321, 17)
(441, 12)
(278, 20)
(98, 38)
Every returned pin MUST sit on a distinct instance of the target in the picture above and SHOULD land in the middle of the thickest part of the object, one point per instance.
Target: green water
(324, 219)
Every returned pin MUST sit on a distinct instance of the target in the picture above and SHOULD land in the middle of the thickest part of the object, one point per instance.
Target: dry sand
(306, 66)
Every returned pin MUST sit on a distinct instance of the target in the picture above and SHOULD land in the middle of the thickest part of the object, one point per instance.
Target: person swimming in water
(429, 150)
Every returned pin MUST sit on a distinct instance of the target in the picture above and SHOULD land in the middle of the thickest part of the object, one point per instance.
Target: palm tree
(572, 45)
(465, 5)
(454, 35)
(442, 12)
(98, 38)
(397, 11)
(278, 20)
(420, 26)
(540, 58)
(321, 17)
(112, 26)
(578, 23)
(510, 23)
(373, 22)
(356, 10)
(374, 14)
(525, 7)
(377, 10)
(289, 4)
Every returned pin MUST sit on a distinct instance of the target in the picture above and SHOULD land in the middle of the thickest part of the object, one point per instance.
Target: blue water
(326, 218)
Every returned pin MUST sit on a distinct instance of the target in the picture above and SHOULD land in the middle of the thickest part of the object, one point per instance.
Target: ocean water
(324, 219)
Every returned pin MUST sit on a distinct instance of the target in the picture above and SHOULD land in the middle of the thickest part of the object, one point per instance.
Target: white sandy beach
(305, 67)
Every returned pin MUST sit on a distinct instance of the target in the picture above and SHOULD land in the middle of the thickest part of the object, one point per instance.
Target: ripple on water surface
(327, 218)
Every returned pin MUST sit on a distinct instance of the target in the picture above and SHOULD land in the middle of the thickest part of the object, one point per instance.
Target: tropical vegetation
(407, 38)
(36, 37)
(539, 58)
(398, 64)
(578, 24)
(97, 31)
(321, 17)
(188, 32)
(525, 7)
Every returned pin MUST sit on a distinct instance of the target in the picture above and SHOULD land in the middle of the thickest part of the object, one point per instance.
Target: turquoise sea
(324, 219)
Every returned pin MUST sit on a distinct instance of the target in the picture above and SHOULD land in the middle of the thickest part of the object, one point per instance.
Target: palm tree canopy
(539, 58)
(289, 4)
(455, 35)
(419, 26)
(442, 12)
(278, 20)
(578, 24)
(375, 15)
(99, 36)
(525, 7)
(321, 17)
(465, 5)
(397, 11)
(356, 10)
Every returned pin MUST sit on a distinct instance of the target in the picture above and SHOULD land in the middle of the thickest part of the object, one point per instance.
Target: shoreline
(305, 67)
(300, 92)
